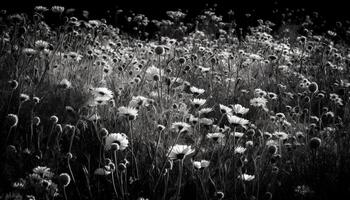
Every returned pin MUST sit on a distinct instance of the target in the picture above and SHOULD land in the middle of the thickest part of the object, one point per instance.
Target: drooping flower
(65, 179)
(179, 152)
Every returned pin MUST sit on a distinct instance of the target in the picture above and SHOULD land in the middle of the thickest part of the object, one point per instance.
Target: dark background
(331, 9)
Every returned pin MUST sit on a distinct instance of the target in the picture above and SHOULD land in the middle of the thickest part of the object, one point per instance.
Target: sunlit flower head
(43, 172)
(240, 150)
(200, 164)
(198, 102)
(205, 111)
(239, 109)
(196, 91)
(216, 137)
(246, 177)
(180, 127)
(129, 112)
(116, 141)
(179, 152)
(233, 119)
(65, 84)
(258, 102)
(281, 135)
(225, 109)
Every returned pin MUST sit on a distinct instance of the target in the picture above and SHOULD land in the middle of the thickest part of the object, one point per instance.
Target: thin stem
(180, 179)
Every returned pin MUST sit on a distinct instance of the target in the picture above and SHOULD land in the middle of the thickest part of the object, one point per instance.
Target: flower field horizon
(173, 108)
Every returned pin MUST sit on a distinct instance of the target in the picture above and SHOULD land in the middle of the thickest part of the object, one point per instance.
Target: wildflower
(302, 190)
(313, 87)
(232, 119)
(315, 142)
(201, 164)
(237, 134)
(129, 112)
(54, 118)
(103, 171)
(225, 110)
(196, 91)
(239, 109)
(216, 137)
(41, 44)
(249, 143)
(160, 127)
(13, 195)
(29, 51)
(272, 95)
(116, 141)
(13, 119)
(57, 9)
(220, 195)
(102, 92)
(258, 102)
(281, 135)
(193, 119)
(198, 102)
(206, 121)
(65, 179)
(40, 9)
(36, 121)
(13, 84)
(205, 111)
(159, 50)
(43, 172)
(179, 152)
(65, 84)
(246, 177)
(36, 100)
(139, 101)
(240, 150)
(180, 127)
(23, 97)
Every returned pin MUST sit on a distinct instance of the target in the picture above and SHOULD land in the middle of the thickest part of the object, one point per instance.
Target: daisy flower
(65, 84)
(237, 134)
(102, 92)
(206, 121)
(180, 126)
(281, 135)
(246, 177)
(196, 91)
(258, 102)
(200, 164)
(205, 111)
(179, 152)
(216, 137)
(43, 172)
(128, 112)
(233, 119)
(240, 150)
(198, 102)
(239, 109)
(118, 141)
(224, 109)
